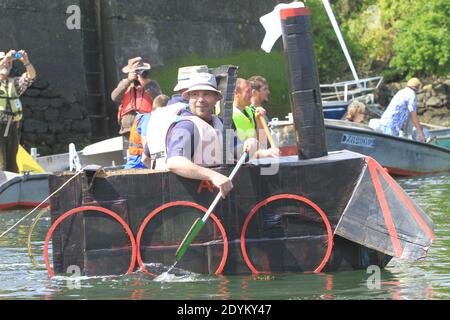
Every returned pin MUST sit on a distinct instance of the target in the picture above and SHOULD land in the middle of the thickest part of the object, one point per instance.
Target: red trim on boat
(22, 204)
(408, 173)
(405, 200)
(90, 208)
(294, 197)
(189, 204)
(293, 12)
(372, 164)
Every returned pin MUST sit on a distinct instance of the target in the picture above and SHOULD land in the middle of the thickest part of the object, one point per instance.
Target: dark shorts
(9, 146)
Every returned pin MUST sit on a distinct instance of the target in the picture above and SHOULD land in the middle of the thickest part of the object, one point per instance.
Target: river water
(427, 279)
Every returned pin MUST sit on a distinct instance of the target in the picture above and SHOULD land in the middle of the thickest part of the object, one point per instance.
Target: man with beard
(11, 88)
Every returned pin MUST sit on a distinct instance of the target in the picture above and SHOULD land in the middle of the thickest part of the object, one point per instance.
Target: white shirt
(396, 113)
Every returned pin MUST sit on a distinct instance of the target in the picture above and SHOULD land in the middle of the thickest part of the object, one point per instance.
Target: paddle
(266, 130)
(199, 223)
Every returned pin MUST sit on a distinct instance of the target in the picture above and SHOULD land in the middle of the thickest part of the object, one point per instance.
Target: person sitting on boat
(11, 88)
(356, 112)
(260, 96)
(134, 93)
(138, 134)
(244, 120)
(194, 140)
(402, 105)
(244, 116)
(184, 74)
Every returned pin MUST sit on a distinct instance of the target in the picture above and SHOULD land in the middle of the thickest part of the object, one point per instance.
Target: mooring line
(43, 201)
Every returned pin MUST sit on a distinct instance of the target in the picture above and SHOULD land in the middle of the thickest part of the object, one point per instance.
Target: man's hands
(268, 153)
(10, 56)
(222, 182)
(260, 111)
(250, 145)
(132, 76)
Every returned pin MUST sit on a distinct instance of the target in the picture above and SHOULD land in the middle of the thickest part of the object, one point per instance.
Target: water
(427, 279)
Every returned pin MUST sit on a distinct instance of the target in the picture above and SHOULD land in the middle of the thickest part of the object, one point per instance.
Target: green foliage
(398, 38)
(272, 66)
(422, 44)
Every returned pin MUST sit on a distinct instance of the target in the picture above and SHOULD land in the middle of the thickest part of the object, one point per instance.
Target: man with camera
(11, 88)
(135, 94)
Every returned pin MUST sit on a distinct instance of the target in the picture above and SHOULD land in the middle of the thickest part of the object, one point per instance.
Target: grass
(271, 66)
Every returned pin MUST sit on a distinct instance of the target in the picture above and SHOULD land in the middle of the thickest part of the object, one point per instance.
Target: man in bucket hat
(11, 88)
(134, 93)
(184, 75)
(403, 106)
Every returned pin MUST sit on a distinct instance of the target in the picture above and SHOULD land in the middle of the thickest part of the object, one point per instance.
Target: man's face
(263, 94)
(4, 71)
(245, 94)
(202, 102)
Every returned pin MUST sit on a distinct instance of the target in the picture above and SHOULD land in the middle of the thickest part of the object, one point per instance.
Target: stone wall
(54, 113)
(51, 122)
(163, 32)
(433, 100)
(57, 108)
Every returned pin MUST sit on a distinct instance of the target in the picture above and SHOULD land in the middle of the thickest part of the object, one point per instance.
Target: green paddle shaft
(199, 223)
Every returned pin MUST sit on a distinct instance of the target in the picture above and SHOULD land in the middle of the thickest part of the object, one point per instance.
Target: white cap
(186, 73)
(202, 81)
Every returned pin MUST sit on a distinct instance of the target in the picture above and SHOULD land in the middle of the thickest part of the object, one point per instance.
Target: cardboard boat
(314, 212)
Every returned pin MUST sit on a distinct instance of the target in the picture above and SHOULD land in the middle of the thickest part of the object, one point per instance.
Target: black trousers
(9, 146)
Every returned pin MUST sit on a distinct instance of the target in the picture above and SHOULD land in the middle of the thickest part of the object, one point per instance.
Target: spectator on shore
(11, 88)
(135, 94)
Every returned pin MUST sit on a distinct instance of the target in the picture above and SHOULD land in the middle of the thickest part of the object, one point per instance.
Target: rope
(40, 204)
(35, 221)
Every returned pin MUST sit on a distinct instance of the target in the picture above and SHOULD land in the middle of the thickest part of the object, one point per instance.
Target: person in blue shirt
(402, 106)
(138, 133)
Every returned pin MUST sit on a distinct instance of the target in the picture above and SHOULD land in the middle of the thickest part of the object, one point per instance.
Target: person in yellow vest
(11, 88)
(244, 120)
(244, 117)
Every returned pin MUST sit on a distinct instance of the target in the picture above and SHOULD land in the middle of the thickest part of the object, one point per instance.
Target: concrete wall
(39, 27)
(161, 31)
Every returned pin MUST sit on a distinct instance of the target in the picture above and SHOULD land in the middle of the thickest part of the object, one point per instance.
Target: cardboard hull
(296, 219)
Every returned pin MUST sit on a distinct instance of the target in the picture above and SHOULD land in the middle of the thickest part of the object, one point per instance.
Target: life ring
(90, 208)
(294, 197)
(181, 203)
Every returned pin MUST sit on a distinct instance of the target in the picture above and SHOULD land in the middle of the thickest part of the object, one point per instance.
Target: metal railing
(349, 90)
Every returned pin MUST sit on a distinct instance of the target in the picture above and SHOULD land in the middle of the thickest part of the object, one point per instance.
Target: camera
(17, 55)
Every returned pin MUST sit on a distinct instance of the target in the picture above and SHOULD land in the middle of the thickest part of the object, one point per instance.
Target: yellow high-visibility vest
(245, 126)
(10, 104)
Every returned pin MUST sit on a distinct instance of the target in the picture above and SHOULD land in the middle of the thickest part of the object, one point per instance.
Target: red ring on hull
(90, 208)
(181, 203)
(294, 197)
